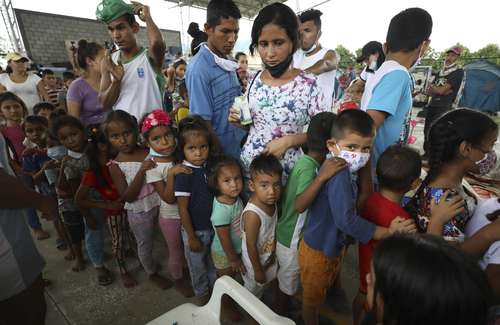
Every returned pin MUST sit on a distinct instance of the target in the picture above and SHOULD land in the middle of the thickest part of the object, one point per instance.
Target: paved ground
(76, 299)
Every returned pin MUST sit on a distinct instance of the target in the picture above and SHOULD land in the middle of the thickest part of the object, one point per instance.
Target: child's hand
(114, 205)
(179, 169)
(237, 266)
(402, 225)
(443, 211)
(260, 276)
(147, 165)
(51, 164)
(195, 244)
(331, 167)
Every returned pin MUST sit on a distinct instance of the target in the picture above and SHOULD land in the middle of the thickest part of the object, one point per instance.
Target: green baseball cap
(109, 10)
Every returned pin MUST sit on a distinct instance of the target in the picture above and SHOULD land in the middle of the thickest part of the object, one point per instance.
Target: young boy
(388, 93)
(398, 171)
(301, 189)
(259, 223)
(44, 109)
(35, 163)
(332, 215)
(50, 82)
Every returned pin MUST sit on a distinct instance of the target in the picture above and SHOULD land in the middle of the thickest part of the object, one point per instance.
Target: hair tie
(156, 118)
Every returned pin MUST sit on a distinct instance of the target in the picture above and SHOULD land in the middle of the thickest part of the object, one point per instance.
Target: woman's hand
(278, 147)
(234, 115)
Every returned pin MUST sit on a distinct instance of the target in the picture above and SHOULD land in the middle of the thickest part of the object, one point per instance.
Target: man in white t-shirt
(313, 58)
(131, 78)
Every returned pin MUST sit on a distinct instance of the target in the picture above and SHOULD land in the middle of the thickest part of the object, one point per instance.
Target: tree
(346, 56)
(491, 52)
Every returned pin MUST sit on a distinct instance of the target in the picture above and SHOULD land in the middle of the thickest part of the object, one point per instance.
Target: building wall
(45, 35)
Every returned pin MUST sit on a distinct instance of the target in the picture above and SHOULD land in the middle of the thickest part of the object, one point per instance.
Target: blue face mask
(153, 153)
(57, 152)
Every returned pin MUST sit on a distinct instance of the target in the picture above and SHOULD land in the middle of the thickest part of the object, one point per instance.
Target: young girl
(14, 110)
(175, 78)
(128, 172)
(459, 141)
(447, 286)
(97, 178)
(226, 181)
(156, 129)
(197, 147)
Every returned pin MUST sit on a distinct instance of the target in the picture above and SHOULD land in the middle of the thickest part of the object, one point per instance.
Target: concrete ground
(76, 298)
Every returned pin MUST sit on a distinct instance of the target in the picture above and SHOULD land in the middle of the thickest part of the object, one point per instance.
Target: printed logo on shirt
(140, 72)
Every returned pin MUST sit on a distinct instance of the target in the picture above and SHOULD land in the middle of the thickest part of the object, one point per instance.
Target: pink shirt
(15, 135)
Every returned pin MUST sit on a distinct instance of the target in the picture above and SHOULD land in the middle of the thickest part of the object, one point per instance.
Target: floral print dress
(454, 230)
(278, 111)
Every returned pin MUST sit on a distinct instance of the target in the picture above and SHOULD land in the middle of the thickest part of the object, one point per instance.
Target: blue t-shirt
(211, 94)
(34, 163)
(333, 215)
(392, 95)
(195, 187)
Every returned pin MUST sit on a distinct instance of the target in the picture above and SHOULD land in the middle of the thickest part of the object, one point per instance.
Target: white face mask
(74, 154)
(355, 160)
(224, 64)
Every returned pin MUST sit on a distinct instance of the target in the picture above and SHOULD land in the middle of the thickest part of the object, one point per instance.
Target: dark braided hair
(445, 137)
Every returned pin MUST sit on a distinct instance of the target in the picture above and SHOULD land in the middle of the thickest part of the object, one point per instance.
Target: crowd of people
(129, 146)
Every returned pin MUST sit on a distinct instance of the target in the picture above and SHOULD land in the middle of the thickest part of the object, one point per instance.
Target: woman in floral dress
(282, 99)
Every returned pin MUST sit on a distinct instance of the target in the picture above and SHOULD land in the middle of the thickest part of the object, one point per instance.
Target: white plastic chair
(209, 314)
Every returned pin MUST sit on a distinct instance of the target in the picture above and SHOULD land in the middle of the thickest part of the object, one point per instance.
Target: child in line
(198, 147)
(51, 87)
(301, 189)
(424, 280)
(258, 224)
(97, 178)
(226, 181)
(14, 111)
(35, 164)
(43, 109)
(70, 132)
(459, 142)
(156, 129)
(128, 171)
(333, 216)
(398, 171)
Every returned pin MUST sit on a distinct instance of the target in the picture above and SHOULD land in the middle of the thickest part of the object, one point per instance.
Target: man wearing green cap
(131, 77)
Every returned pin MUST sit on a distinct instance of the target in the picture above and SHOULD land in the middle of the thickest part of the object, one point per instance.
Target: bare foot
(69, 257)
(160, 281)
(184, 288)
(78, 266)
(41, 234)
(128, 281)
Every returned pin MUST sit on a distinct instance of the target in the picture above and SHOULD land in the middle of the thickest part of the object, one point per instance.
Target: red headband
(156, 118)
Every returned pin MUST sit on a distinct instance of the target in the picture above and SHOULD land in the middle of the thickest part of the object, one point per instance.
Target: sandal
(105, 277)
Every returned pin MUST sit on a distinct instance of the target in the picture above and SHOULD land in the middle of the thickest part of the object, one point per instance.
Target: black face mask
(277, 70)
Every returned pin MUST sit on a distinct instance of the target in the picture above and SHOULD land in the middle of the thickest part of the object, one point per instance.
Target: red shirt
(381, 212)
(108, 192)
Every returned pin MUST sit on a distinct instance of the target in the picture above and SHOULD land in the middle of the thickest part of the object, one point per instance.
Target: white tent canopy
(248, 8)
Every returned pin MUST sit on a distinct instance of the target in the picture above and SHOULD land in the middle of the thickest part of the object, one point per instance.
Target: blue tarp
(482, 87)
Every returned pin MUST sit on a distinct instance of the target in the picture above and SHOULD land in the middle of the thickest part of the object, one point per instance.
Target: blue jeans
(94, 239)
(201, 267)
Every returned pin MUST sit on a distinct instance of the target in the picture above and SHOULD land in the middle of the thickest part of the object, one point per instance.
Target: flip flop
(61, 244)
